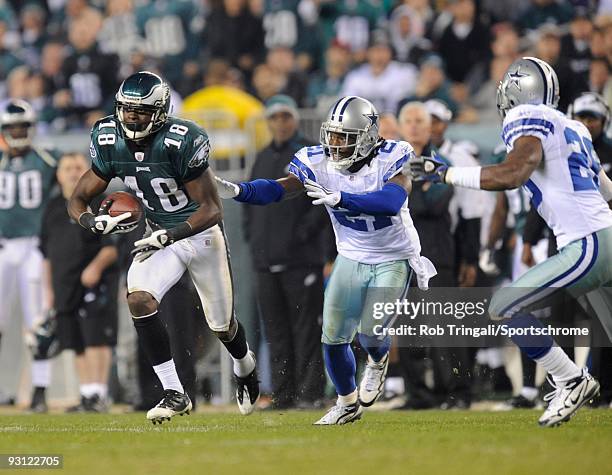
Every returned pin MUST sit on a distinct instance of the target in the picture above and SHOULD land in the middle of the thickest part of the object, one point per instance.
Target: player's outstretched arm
(387, 201)
(260, 191)
(511, 173)
(516, 169)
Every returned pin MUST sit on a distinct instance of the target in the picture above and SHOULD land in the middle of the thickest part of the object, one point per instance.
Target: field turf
(430, 442)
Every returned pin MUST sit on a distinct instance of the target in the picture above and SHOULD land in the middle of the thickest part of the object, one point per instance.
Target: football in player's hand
(123, 202)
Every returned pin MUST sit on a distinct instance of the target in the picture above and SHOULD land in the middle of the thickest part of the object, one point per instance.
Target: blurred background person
(81, 282)
(27, 178)
(287, 246)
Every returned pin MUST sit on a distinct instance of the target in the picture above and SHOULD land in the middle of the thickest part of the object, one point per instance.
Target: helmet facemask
(137, 130)
(20, 140)
(345, 147)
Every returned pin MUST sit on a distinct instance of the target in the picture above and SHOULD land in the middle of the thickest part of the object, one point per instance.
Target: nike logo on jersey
(143, 169)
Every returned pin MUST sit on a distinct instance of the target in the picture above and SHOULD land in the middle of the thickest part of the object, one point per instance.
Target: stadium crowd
(422, 63)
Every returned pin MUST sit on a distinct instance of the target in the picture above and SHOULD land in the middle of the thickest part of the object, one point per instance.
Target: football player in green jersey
(164, 160)
(27, 175)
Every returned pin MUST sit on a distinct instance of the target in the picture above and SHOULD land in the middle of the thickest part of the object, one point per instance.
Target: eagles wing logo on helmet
(350, 131)
(144, 93)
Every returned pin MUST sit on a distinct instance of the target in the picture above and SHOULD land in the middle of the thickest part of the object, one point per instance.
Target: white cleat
(373, 381)
(247, 390)
(567, 398)
(172, 404)
(340, 414)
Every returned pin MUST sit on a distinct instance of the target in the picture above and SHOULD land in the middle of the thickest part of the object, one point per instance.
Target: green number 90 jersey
(156, 168)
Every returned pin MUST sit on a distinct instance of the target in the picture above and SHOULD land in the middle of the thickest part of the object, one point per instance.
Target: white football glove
(321, 195)
(487, 262)
(226, 189)
(146, 247)
(424, 270)
(105, 224)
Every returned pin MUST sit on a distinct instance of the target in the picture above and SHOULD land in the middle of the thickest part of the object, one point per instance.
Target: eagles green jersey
(25, 185)
(156, 169)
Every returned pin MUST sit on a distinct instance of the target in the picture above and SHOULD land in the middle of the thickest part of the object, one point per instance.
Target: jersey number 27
(583, 165)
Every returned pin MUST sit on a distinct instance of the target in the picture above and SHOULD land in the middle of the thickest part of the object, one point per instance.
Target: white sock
(87, 390)
(101, 390)
(558, 364)
(166, 372)
(529, 393)
(41, 373)
(348, 399)
(244, 366)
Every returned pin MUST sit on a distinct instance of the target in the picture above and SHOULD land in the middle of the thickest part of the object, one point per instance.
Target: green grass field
(431, 442)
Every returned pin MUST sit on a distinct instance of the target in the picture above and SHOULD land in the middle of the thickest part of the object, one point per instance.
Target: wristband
(87, 220)
(467, 177)
(181, 231)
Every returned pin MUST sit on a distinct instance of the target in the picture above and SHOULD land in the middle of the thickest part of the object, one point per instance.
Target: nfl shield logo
(139, 156)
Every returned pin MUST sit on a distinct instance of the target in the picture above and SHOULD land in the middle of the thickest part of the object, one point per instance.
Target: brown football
(124, 202)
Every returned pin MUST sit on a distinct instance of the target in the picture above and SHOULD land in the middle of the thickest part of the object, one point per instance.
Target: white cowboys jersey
(360, 237)
(565, 187)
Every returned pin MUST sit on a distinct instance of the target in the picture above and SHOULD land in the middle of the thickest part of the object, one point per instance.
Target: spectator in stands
(119, 33)
(504, 11)
(33, 33)
(407, 30)
(431, 84)
(351, 22)
(389, 127)
(172, 32)
(506, 42)
(81, 281)
(599, 78)
(267, 82)
(233, 20)
(74, 10)
(8, 60)
(282, 62)
(575, 46)
(545, 11)
(234, 111)
(429, 208)
(324, 87)
(464, 44)
(382, 81)
(482, 101)
(548, 48)
(91, 77)
(286, 241)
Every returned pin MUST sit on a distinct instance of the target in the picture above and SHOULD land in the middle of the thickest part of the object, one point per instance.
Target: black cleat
(247, 391)
(39, 402)
(173, 403)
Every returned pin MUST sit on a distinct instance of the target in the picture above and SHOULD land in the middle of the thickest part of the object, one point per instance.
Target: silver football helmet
(528, 81)
(15, 113)
(350, 131)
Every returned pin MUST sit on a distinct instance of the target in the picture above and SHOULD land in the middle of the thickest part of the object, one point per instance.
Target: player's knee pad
(230, 333)
(141, 304)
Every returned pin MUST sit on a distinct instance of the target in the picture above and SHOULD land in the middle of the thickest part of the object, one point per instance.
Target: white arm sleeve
(605, 186)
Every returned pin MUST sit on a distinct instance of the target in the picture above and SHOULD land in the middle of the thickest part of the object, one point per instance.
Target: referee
(81, 283)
